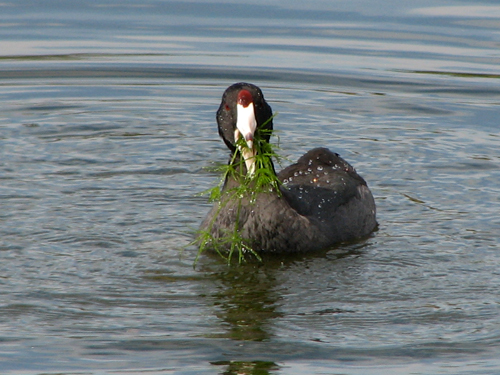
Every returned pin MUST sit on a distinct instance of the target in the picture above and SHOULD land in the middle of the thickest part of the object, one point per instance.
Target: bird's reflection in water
(246, 300)
(248, 368)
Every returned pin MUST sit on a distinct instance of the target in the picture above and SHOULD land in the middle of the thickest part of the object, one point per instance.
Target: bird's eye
(226, 107)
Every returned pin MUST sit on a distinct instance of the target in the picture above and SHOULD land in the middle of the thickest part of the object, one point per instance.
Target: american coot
(311, 205)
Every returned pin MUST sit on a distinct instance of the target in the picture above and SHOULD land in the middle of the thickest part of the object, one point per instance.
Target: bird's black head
(244, 113)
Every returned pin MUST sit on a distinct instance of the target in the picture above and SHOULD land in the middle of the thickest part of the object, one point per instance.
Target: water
(107, 125)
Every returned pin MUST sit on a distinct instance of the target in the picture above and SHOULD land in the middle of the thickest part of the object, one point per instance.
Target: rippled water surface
(106, 129)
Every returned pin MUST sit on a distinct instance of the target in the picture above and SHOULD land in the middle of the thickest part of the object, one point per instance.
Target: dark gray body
(322, 201)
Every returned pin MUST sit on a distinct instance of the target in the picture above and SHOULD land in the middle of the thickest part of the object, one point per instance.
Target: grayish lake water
(107, 123)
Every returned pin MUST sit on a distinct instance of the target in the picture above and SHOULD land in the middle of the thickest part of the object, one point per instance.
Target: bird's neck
(238, 177)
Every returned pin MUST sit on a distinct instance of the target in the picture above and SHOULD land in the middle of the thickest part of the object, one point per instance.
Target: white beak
(245, 126)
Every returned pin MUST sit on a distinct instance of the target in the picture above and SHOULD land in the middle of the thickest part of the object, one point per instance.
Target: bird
(311, 205)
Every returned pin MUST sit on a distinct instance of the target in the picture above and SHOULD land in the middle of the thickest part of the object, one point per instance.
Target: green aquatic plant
(254, 177)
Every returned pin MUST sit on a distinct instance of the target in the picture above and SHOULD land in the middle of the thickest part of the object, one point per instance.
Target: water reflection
(248, 296)
(248, 368)
(246, 300)
(249, 300)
